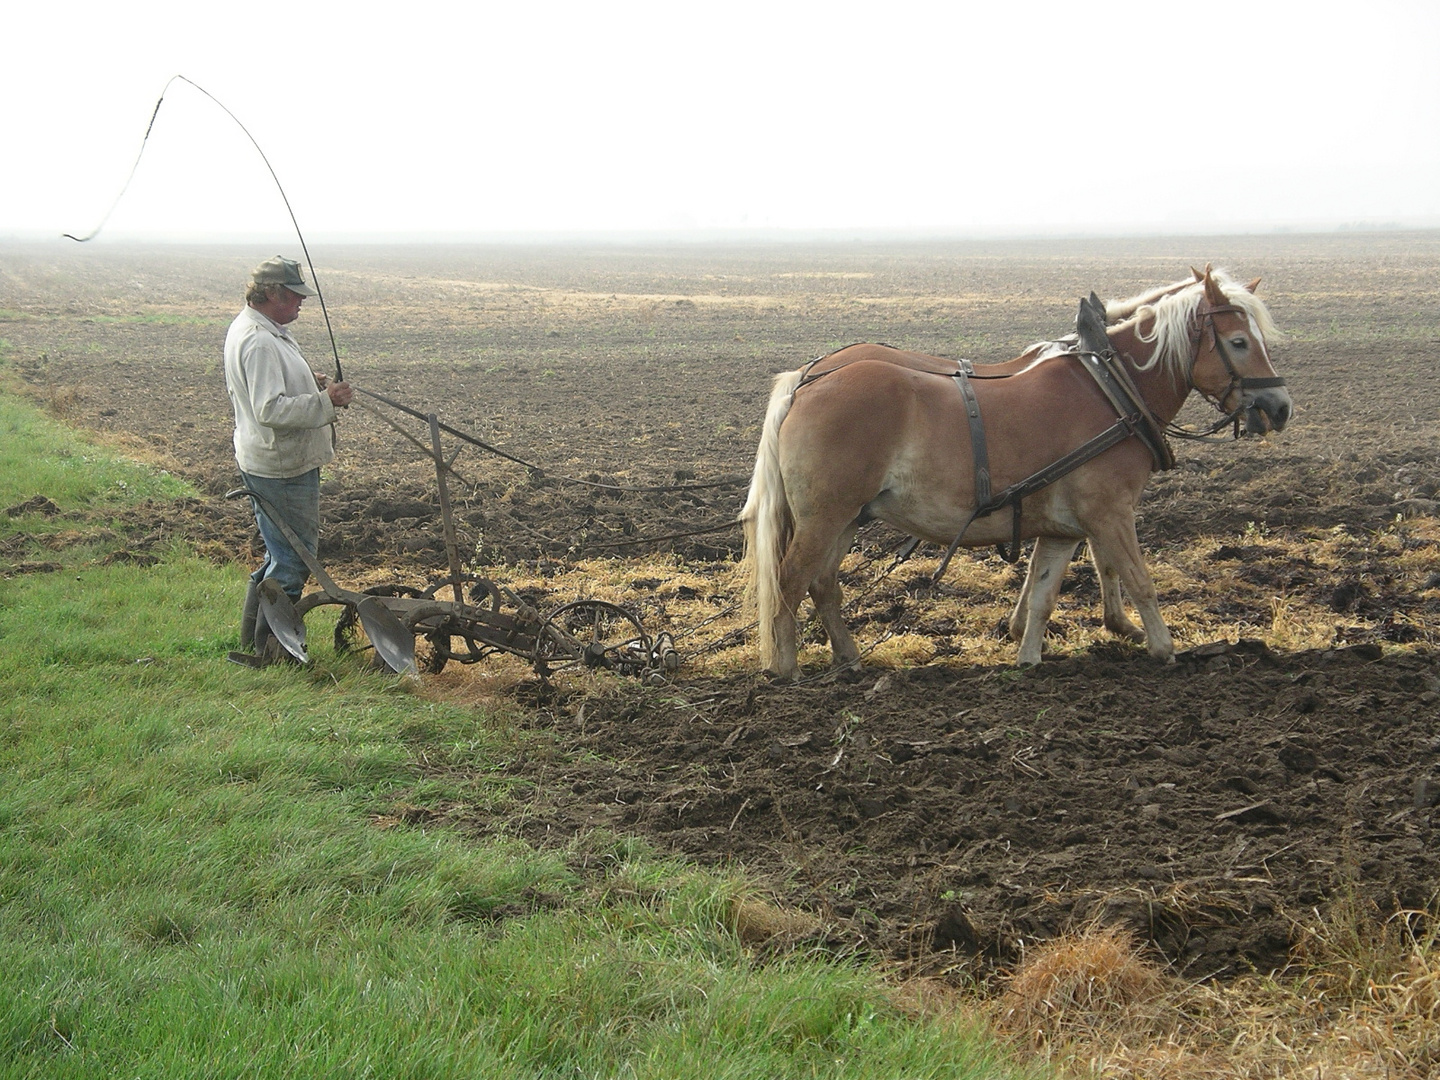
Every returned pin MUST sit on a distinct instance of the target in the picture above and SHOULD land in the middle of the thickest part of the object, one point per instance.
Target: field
(941, 809)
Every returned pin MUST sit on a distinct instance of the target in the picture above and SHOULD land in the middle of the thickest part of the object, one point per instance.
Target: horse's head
(1230, 362)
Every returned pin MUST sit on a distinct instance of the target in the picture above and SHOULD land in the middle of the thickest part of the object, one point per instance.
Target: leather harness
(1133, 418)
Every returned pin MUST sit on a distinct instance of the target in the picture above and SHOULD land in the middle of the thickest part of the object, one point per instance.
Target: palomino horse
(873, 432)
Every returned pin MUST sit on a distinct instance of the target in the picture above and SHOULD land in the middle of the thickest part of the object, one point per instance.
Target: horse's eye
(1239, 343)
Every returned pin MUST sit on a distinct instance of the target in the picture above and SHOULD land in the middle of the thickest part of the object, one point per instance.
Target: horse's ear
(1253, 286)
(1198, 276)
(1213, 292)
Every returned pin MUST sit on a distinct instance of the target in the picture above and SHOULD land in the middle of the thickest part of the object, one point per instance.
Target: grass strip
(195, 879)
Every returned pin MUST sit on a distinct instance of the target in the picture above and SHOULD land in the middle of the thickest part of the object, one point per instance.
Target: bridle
(1237, 385)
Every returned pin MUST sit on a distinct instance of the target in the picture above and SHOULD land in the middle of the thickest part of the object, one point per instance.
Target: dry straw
(1362, 999)
(1066, 985)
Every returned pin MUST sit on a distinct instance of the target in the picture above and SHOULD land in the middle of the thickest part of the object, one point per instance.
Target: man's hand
(340, 393)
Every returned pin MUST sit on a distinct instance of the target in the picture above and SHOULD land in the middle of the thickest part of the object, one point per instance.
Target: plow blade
(284, 623)
(393, 643)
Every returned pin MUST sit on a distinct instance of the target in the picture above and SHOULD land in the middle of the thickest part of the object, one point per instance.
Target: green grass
(40, 456)
(204, 873)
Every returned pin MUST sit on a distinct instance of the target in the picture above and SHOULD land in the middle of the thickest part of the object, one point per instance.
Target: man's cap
(282, 271)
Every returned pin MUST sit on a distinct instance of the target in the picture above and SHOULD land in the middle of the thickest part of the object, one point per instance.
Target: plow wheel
(595, 634)
(439, 646)
(431, 657)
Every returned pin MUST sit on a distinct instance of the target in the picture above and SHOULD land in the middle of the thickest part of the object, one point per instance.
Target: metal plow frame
(593, 634)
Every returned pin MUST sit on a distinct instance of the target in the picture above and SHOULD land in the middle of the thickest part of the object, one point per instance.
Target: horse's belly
(937, 519)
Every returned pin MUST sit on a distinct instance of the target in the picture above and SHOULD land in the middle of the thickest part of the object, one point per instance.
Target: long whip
(319, 293)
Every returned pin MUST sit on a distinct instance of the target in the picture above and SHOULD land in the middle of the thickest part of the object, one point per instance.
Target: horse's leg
(1117, 619)
(825, 592)
(809, 553)
(1040, 592)
(785, 660)
(1116, 550)
(1046, 555)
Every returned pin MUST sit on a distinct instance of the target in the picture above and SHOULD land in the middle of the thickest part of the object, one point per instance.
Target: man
(284, 413)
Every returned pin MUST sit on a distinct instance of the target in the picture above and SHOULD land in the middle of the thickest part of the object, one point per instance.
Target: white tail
(767, 520)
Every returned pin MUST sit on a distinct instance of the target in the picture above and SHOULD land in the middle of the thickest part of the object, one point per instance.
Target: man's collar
(263, 320)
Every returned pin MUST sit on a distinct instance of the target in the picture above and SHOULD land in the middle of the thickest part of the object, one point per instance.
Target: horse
(872, 432)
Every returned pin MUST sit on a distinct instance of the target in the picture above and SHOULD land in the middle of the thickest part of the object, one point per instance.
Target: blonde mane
(1119, 310)
(1173, 315)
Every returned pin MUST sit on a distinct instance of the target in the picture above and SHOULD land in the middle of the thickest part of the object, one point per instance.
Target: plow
(455, 617)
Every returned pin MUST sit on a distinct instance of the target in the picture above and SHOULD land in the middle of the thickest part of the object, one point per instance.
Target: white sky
(486, 117)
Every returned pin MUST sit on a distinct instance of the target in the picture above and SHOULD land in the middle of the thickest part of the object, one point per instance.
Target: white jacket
(282, 419)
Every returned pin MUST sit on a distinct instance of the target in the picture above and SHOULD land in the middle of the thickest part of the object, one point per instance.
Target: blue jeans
(297, 500)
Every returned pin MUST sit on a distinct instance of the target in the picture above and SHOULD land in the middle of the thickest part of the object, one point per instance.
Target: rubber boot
(252, 631)
(262, 645)
(247, 616)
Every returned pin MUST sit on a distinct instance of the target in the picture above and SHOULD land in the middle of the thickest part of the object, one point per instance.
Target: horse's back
(861, 391)
(866, 390)
(886, 354)
(935, 365)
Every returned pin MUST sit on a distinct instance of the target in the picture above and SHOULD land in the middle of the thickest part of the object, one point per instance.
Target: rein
(810, 375)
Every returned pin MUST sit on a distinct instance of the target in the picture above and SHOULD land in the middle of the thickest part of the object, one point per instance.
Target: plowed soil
(946, 810)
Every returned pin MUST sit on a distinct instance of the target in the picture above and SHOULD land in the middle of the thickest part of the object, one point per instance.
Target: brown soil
(946, 812)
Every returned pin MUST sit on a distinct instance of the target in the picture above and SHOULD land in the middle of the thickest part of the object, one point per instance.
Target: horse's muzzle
(1267, 410)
